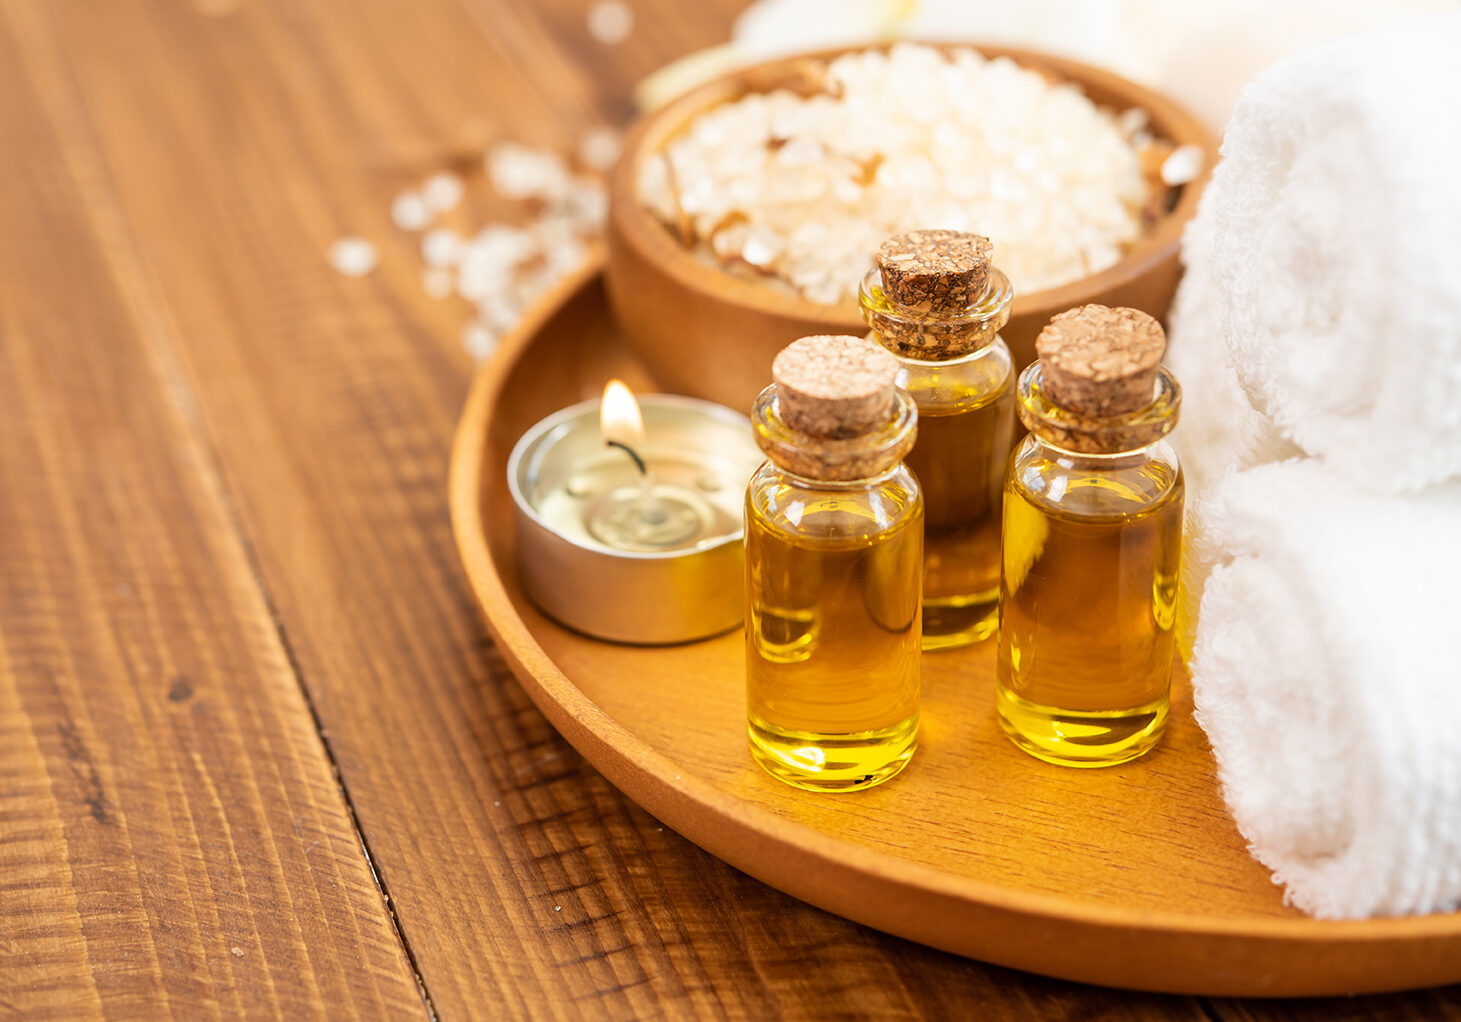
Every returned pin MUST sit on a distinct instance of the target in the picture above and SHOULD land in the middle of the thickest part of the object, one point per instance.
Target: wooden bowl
(709, 333)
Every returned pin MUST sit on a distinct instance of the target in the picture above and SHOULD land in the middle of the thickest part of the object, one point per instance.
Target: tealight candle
(628, 516)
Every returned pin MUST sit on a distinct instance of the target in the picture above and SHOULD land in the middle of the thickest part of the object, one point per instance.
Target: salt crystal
(441, 247)
(522, 172)
(586, 205)
(354, 257)
(410, 212)
(500, 309)
(441, 192)
(801, 152)
(599, 148)
(848, 191)
(478, 340)
(1183, 165)
(728, 240)
(610, 21)
(761, 247)
(1131, 120)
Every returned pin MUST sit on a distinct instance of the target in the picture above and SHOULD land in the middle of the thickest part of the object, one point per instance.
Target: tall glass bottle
(1092, 543)
(936, 303)
(834, 555)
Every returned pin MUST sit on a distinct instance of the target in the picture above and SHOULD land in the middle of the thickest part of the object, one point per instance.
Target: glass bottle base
(1081, 738)
(950, 622)
(833, 762)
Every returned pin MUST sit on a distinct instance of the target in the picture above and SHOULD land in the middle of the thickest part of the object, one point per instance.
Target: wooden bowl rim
(641, 231)
(644, 773)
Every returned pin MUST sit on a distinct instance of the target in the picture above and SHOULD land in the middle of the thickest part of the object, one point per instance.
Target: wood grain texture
(172, 840)
(236, 139)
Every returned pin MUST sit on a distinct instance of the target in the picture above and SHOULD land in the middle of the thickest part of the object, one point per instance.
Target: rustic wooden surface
(227, 577)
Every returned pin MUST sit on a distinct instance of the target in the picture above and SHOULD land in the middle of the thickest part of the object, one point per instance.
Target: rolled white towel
(1334, 254)
(1220, 429)
(1326, 676)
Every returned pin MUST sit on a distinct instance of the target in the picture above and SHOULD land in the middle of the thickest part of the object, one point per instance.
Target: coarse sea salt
(610, 21)
(905, 139)
(409, 212)
(441, 247)
(354, 257)
(502, 268)
(442, 192)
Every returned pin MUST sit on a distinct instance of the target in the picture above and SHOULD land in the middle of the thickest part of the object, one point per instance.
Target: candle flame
(619, 416)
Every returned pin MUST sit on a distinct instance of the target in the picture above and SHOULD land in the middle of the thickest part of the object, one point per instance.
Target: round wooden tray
(1131, 876)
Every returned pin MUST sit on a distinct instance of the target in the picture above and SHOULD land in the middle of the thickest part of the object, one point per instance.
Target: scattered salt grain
(503, 268)
(478, 340)
(441, 192)
(409, 212)
(441, 247)
(599, 148)
(522, 172)
(610, 21)
(354, 257)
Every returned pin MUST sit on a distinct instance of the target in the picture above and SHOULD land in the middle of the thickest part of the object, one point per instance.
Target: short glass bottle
(965, 431)
(1091, 560)
(833, 581)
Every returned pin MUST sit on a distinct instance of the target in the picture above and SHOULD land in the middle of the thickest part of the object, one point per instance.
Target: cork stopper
(1101, 362)
(839, 416)
(934, 271)
(933, 295)
(834, 386)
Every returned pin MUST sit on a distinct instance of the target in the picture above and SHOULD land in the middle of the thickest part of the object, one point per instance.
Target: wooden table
(257, 753)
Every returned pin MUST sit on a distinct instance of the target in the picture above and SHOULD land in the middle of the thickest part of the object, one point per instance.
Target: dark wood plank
(1443, 1005)
(172, 839)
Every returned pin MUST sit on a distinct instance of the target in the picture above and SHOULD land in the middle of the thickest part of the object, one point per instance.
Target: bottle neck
(929, 335)
(1126, 435)
(854, 461)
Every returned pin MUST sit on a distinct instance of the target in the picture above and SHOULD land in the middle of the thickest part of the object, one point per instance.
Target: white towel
(1327, 678)
(1326, 260)
(1220, 430)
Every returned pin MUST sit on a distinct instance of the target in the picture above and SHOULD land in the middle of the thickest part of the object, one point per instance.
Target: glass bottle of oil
(1092, 543)
(834, 555)
(936, 303)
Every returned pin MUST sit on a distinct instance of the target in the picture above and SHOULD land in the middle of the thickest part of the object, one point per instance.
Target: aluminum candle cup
(648, 558)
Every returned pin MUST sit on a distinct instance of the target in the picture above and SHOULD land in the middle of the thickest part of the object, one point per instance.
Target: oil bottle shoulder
(1096, 486)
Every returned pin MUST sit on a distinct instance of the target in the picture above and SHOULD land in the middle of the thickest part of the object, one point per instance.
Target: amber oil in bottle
(834, 554)
(1092, 544)
(933, 300)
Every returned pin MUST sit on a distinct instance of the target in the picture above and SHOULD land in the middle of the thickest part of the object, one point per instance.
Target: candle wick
(638, 461)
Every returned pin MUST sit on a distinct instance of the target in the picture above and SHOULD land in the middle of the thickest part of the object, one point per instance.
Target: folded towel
(1325, 674)
(1326, 258)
